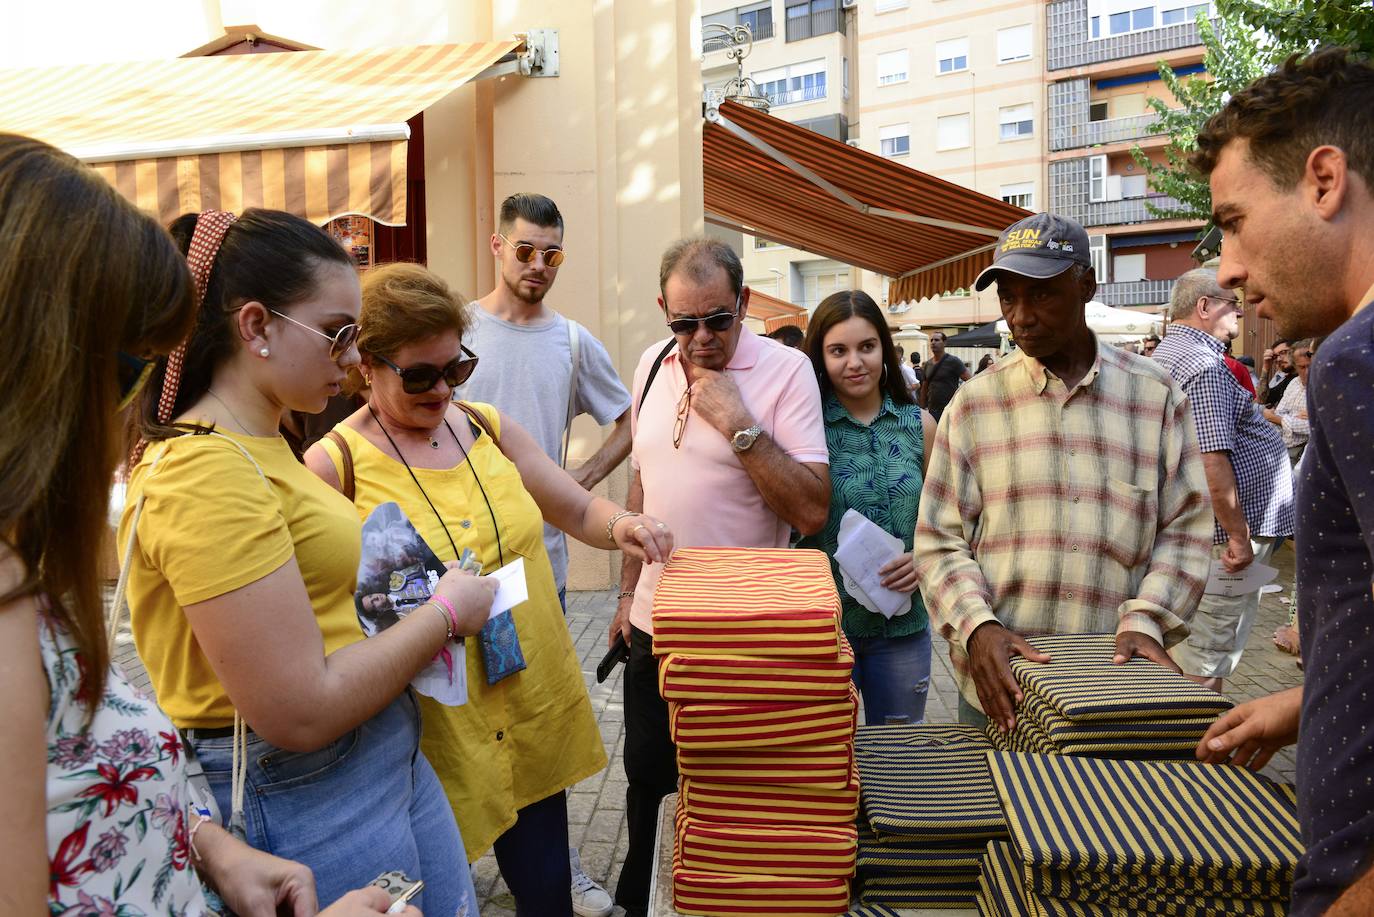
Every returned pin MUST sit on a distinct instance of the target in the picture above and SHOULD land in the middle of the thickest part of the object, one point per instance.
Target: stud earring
(264, 352)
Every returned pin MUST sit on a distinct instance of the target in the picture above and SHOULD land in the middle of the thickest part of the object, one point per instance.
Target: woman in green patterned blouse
(876, 436)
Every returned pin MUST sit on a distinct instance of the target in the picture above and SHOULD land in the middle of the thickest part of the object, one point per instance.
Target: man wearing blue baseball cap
(1065, 492)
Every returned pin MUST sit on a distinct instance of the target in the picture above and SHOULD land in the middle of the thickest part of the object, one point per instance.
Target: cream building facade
(803, 58)
(615, 138)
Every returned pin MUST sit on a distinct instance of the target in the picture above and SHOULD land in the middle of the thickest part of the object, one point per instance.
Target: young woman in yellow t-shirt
(241, 587)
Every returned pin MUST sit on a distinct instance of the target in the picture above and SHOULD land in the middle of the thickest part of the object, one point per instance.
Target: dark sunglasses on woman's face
(133, 375)
(716, 321)
(420, 378)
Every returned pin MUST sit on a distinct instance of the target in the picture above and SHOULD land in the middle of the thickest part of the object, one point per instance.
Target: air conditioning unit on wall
(848, 4)
(853, 141)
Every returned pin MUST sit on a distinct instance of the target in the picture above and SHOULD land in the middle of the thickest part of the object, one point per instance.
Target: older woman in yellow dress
(471, 479)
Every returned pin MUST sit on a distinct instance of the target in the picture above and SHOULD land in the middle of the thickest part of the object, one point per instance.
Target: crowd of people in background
(1069, 486)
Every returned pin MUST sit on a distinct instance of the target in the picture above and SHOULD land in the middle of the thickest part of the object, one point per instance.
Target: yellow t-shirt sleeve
(211, 522)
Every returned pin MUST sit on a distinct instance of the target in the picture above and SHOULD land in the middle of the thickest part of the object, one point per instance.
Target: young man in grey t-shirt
(525, 369)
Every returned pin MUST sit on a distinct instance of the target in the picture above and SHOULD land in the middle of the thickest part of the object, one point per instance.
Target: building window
(1132, 20)
(887, 6)
(1133, 186)
(1183, 13)
(1013, 44)
(1097, 251)
(952, 132)
(844, 76)
(892, 67)
(759, 18)
(1097, 111)
(1097, 178)
(1021, 194)
(894, 139)
(1128, 268)
(803, 82)
(820, 284)
(951, 56)
(811, 18)
(1095, 24)
(1017, 121)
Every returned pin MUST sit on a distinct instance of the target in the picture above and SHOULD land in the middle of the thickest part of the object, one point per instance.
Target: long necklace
(496, 529)
(243, 426)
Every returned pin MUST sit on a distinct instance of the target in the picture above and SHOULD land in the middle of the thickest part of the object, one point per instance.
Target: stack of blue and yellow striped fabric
(928, 809)
(1094, 837)
(1081, 703)
(756, 673)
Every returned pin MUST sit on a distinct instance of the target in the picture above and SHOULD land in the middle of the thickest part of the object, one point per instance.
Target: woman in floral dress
(94, 796)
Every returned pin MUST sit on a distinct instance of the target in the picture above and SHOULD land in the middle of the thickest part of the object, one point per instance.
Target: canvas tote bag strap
(575, 349)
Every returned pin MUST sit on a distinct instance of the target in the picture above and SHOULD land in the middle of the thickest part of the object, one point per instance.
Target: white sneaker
(588, 898)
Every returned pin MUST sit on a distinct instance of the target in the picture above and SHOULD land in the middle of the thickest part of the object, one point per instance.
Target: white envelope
(863, 549)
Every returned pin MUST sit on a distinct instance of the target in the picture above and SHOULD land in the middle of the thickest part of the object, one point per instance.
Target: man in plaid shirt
(1247, 467)
(1065, 492)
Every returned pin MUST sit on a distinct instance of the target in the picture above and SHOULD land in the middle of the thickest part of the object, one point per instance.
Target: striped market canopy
(317, 133)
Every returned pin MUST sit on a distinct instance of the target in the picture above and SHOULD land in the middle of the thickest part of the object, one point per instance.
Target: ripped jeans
(893, 675)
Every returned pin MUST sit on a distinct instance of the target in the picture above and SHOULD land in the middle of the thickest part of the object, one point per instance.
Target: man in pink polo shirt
(729, 449)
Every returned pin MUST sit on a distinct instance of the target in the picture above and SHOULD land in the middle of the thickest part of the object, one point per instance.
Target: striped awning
(318, 133)
(781, 182)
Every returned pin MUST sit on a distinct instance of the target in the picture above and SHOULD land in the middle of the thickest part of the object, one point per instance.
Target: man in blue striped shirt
(1244, 458)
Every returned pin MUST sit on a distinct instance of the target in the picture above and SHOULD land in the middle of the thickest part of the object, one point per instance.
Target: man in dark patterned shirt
(1291, 163)
(1245, 460)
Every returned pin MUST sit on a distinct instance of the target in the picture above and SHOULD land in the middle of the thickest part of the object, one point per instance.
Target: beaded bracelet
(444, 605)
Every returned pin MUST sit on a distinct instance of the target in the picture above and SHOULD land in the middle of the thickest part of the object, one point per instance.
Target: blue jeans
(364, 804)
(893, 675)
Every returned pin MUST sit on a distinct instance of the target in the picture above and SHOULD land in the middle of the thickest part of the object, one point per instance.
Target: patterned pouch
(501, 648)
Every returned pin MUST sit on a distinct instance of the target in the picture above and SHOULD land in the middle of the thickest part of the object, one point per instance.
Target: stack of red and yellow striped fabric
(756, 673)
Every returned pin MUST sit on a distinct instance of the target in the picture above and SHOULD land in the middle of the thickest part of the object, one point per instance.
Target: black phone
(620, 652)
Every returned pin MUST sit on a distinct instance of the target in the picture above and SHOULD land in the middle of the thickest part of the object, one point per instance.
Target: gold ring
(640, 526)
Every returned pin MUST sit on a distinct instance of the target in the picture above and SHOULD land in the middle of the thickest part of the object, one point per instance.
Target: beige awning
(317, 133)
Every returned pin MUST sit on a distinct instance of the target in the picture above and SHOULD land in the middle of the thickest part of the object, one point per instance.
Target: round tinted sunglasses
(525, 252)
(339, 341)
(420, 378)
(716, 321)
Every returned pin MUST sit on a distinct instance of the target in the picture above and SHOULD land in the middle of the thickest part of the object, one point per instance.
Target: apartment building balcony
(814, 23)
(1096, 133)
(793, 96)
(1134, 293)
(759, 29)
(1111, 213)
(1069, 43)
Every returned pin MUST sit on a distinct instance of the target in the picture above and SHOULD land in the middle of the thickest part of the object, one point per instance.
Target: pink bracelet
(201, 819)
(452, 612)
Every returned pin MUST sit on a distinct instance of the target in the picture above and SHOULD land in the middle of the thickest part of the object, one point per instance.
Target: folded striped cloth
(872, 910)
(894, 856)
(691, 677)
(925, 891)
(1166, 737)
(718, 894)
(775, 602)
(928, 783)
(1117, 825)
(826, 767)
(751, 724)
(817, 851)
(1002, 893)
(734, 803)
(1083, 684)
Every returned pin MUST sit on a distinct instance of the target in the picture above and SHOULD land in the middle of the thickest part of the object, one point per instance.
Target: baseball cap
(1040, 246)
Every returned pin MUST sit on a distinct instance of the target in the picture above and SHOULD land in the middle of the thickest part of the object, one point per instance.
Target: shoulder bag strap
(350, 486)
(653, 371)
(480, 419)
(575, 350)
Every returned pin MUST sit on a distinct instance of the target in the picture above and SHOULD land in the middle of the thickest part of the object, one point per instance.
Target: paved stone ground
(596, 806)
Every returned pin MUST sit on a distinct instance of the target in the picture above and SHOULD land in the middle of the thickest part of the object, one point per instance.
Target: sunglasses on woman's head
(133, 375)
(420, 378)
(339, 341)
(525, 252)
(716, 321)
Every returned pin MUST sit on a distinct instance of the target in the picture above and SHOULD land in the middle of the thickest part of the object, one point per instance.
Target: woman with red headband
(91, 289)
(243, 568)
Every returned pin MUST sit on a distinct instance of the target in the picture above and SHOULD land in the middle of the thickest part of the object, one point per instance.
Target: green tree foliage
(1248, 39)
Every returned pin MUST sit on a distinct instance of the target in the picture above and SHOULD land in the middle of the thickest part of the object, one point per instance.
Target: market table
(661, 888)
